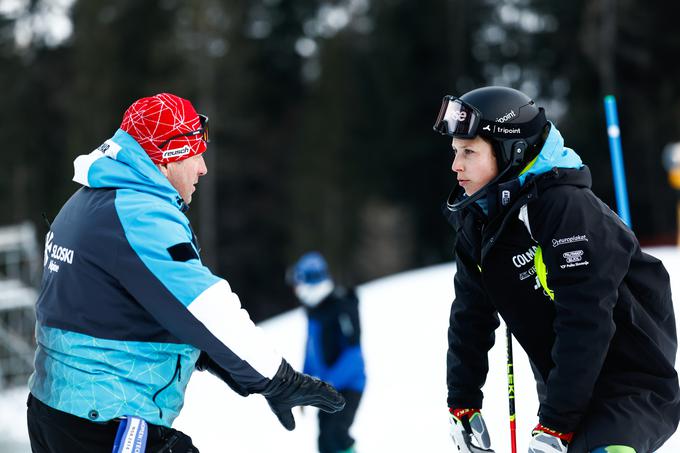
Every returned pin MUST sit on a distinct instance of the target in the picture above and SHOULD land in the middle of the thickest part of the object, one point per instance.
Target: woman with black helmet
(535, 245)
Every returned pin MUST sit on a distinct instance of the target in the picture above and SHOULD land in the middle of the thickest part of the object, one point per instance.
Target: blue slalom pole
(614, 133)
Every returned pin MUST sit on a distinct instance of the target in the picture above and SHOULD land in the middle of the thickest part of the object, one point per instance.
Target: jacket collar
(121, 163)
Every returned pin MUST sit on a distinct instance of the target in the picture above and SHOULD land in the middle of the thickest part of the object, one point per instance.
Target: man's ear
(163, 168)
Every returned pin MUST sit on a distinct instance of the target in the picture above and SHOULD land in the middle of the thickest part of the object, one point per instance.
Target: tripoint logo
(508, 116)
(184, 150)
(505, 130)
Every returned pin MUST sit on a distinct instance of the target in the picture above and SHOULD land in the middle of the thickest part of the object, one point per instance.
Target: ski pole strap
(567, 437)
(131, 436)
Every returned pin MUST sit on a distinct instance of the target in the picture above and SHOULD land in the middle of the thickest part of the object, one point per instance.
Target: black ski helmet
(509, 119)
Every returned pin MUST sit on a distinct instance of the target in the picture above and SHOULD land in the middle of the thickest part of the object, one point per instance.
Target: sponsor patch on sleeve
(183, 251)
(569, 240)
(574, 258)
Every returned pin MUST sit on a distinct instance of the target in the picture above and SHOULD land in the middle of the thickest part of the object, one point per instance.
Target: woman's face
(474, 163)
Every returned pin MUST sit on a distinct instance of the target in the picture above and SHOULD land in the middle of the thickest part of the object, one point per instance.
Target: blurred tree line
(321, 113)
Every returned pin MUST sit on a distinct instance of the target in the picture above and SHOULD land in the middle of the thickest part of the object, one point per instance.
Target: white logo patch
(505, 197)
(55, 252)
(184, 150)
(570, 240)
(573, 257)
(508, 116)
(110, 149)
(528, 274)
(524, 258)
(505, 130)
(456, 115)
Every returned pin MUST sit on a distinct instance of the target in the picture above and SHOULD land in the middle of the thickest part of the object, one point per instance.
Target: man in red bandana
(127, 310)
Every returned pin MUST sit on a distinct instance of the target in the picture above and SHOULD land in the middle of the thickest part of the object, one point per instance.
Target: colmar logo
(524, 258)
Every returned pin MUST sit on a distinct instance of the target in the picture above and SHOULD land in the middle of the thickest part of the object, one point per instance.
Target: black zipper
(178, 373)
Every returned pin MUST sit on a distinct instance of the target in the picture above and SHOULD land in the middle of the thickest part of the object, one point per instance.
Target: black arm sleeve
(472, 324)
(205, 363)
(587, 251)
(349, 318)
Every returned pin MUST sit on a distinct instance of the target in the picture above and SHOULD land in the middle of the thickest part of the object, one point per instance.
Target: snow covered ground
(405, 319)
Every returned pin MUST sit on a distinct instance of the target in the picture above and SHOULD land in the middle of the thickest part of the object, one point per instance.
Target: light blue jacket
(126, 305)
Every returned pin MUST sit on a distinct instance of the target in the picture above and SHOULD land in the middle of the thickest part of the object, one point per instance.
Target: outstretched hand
(289, 388)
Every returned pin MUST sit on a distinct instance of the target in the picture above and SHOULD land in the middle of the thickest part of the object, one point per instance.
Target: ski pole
(511, 393)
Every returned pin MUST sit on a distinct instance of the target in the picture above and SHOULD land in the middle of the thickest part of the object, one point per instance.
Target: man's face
(474, 162)
(183, 175)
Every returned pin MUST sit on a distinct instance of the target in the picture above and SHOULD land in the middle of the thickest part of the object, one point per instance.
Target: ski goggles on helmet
(461, 120)
(202, 131)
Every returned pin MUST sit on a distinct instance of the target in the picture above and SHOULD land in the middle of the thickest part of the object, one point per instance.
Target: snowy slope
(405, 318)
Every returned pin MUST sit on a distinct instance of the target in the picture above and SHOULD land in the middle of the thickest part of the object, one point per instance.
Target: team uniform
(592, 311)
(126, 306)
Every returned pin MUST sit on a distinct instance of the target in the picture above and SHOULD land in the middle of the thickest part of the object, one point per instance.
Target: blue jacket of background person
(333, 351)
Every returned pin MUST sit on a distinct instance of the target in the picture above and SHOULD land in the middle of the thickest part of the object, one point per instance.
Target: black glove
(205, 363)
(289, 388)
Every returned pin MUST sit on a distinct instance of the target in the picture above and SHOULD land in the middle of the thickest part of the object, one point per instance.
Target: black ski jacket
(592, 311)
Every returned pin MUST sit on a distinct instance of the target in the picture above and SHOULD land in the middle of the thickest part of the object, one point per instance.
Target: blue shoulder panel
(151, 233)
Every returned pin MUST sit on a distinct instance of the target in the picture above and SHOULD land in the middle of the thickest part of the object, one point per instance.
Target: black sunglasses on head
(202, 131)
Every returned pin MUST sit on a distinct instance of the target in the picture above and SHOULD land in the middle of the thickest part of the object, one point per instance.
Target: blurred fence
(19, 265)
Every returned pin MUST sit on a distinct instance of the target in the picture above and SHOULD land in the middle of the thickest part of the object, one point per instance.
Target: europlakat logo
(570, 240)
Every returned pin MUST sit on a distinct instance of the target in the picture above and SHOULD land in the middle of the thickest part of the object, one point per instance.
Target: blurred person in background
(333, 350)
(535, 245)
(127, 311)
